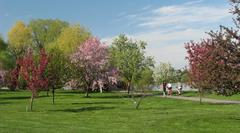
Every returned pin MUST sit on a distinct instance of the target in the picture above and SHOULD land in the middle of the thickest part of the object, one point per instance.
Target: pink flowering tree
(90, 60)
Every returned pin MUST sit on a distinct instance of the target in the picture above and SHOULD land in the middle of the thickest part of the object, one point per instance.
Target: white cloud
(146, 7)
(166, 29)
(183, 14)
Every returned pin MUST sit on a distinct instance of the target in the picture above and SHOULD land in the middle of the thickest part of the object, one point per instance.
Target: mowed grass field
(113, 112)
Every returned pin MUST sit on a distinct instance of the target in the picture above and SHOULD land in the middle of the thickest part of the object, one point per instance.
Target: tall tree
(90, 58)
(33, 72)
(71, 37)
(129, 58)
(214, 62)
(45, 31)
(227, 55)
(6, 58)
(19, 38)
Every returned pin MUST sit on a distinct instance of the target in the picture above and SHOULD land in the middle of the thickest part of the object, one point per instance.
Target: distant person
(179, 89)
(169, 86)
(164, 88)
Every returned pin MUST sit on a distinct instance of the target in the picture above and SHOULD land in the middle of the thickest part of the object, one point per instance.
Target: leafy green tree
(6, 59)
(56, 70)
(45, 31)
(129, 58)
(143, 83)
(71, 37)
(164, 72)
(19, 38)
(146, 79)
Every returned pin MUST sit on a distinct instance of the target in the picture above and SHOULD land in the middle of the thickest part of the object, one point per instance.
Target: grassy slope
(110, 112)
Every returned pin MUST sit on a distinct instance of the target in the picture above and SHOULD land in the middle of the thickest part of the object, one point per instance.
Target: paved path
(207, 100)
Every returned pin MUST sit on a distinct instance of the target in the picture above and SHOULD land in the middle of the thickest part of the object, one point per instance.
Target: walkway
(206, 100)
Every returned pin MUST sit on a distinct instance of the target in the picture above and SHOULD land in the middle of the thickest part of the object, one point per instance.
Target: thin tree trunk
(87, 92)
(53, 95)
(101, 89)
(47, 92)
(139, 102)
(128, 88)
(31, 102)
(200, 95)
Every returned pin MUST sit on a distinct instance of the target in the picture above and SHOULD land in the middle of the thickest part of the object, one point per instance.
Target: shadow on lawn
(235, 118)
(114, 96)
(19, 97)
(93, 108)
(5, 103)
(99, 103)
(71, 92)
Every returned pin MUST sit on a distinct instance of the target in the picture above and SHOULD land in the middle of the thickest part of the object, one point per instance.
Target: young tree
(90, 58)
(143, 83)
(202, 64)
(129, 59)
(56, 70)
(33, 72)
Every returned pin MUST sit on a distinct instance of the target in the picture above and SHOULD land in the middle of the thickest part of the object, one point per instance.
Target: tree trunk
(128, 88)
(139, 102)
(53, 95)
(87, 92)
(47, 92)
(101, 89)
(31, 102)
(200, 95)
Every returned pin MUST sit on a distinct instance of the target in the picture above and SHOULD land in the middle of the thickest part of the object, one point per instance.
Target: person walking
(169, 86)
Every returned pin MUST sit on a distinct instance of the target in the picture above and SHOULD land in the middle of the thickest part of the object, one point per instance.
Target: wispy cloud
(183, 15)
(146, 7)
(166, 29)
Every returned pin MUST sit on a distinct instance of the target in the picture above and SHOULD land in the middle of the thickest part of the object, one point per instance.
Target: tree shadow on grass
(71, 92)
(93, 108)
(111, 97)
(98, 103)
(15, 97)
(1, 103)
(235, 118)
(19, 97)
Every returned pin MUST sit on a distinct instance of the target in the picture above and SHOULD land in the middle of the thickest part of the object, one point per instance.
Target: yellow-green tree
(19, 38)
(45, 31)
(71, 37)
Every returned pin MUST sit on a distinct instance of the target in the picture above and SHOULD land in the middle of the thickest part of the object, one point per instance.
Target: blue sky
(164, 24)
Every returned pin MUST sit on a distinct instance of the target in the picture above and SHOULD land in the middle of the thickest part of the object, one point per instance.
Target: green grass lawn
(113, 112)
(211, 95)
